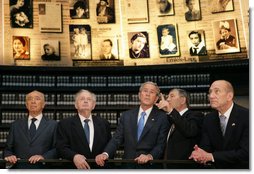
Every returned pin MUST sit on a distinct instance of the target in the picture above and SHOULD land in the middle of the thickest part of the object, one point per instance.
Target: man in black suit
(31, 138)
(83, 136)
(185, 130)
(225, 135)
(142, 131)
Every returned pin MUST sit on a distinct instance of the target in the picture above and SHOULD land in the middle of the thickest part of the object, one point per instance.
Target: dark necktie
(223, 124)
(87, 130)
(141, 124)
(32, 129)
(195, 52)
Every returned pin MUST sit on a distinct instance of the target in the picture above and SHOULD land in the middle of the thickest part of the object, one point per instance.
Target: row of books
(185, 80)
(196, 99)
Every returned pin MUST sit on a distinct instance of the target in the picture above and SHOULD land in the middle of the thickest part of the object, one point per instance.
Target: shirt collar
(82, 118)
(183, 111)
(38, 117)
(148, 111)
(228, 112)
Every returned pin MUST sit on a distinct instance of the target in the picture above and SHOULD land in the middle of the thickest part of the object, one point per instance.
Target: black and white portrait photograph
(50, 50)
(192, 10)
(79, 9)
(21, 13)
(221, 5)
(168, 40)
(105, 11)
(165, 7)
(108, 49)
(226, 36)
(80, 39)
(138, 45)
(196, 42)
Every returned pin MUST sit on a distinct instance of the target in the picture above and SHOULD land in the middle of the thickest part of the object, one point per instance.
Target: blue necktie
(32, 129)
(223, 124)
(87, 130)
(141, 124)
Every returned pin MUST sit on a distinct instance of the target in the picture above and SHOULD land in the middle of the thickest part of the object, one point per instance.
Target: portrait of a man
(196, 43)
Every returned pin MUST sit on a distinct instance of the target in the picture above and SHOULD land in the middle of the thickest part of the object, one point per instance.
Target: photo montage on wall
(165, 8)
(50, 17)
(137, 11)
(226, 36)
(80, 39)
(50, 50)
(192, 10)
(105, 12)
(196, 42)
(21, 13)
(21, 47)
(79, 9)
(138, 45)
(168, 40)
(221, 5)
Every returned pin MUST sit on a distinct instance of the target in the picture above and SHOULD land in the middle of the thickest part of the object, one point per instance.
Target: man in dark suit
(32, 138)
(83, 136)
(106, 50)
(186, 125)
(142, 131)
(225, 135)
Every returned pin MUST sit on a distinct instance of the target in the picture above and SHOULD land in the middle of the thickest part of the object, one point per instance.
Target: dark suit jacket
(229, 150)
(43, 143)
(186, 134)
(71, 138)
(152, 140)
(201, 52)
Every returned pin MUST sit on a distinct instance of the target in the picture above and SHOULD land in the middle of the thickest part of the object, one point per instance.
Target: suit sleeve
(8, 151)
(117, 139)
(189, 126)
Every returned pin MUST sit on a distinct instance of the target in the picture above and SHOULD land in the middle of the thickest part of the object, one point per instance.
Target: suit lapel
(41, 128)
(97, 136)
(134, 123)
(230, 126)
(24, 128)
(78, 127)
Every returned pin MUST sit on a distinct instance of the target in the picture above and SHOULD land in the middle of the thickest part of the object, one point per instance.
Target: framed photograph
(226, 36)
(21, 47)
(109, 49)
(139, 45)
(137, 11)
(192, 10)
(165, 8)
(196, 42)
(105, 12)
(50, 50)
(80, 39)
(168, 40)
(50, 17)
(221, 5)
(79, 9)
(21, 13)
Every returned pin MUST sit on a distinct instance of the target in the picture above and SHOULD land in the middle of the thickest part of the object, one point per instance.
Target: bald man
(225, 135)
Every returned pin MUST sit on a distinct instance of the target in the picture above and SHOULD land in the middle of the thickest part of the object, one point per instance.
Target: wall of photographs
(122, 32)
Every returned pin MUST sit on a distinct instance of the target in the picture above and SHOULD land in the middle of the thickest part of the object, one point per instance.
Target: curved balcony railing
(116, 164)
